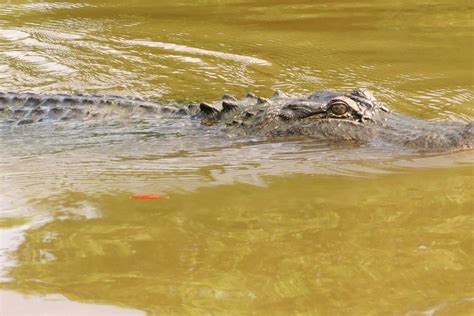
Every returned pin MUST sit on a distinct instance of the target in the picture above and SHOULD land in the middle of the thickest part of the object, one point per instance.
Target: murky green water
(244, 227)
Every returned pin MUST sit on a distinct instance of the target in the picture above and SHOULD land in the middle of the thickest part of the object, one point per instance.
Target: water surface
(244, 225)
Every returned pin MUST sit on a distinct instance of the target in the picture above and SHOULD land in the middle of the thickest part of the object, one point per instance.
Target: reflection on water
(55, 305)
(320, 244)
(251, 226)
(178, 154)
(192, 50)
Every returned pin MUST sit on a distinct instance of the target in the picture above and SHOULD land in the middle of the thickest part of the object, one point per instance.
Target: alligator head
(325, 115)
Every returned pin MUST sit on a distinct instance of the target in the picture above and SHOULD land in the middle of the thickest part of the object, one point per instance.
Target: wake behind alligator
(322, 116)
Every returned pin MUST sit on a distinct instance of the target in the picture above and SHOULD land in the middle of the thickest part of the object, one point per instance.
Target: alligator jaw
(328, 129)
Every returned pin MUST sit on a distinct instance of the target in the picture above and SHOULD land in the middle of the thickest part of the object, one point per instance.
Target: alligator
(324, 116)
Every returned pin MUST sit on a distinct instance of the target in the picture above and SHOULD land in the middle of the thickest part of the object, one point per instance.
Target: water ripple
(13, 35)
(40, 61)
(199, 51)
(26, 8)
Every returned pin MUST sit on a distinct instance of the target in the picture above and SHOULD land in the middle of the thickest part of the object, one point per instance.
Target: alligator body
(323, 116)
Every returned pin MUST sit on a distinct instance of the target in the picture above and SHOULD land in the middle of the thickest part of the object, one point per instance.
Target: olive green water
(244, 227)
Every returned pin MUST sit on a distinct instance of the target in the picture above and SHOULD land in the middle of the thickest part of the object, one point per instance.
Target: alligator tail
(25, 108)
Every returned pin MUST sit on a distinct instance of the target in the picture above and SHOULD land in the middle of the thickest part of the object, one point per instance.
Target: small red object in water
(146, 197)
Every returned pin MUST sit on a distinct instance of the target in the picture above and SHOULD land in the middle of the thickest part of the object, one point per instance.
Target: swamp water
(243, 226)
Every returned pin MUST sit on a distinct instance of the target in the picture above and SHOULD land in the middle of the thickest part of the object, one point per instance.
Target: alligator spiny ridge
(323, 116)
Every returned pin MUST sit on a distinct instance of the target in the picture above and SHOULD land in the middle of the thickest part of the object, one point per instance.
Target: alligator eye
(339, 108)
